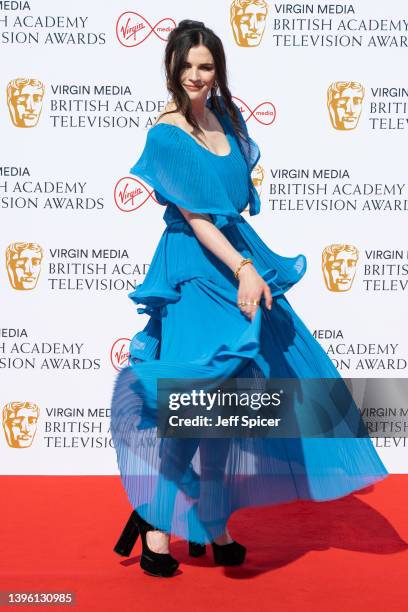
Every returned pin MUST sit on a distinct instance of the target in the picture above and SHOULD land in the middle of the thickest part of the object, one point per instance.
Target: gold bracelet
(241, 264)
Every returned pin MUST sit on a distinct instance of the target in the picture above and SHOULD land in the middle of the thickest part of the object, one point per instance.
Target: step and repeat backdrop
(324, 92)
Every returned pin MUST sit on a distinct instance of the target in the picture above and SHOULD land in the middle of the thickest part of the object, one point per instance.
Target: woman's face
(198, 73)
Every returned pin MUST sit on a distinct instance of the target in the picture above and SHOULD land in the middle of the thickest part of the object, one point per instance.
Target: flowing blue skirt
(190, 487)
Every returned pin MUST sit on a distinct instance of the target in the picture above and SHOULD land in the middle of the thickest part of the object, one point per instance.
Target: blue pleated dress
(195, 330)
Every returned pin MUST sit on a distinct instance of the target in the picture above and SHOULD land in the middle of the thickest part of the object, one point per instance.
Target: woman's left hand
(252, 288)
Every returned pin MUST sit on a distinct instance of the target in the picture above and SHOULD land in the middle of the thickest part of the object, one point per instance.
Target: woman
(215, 298)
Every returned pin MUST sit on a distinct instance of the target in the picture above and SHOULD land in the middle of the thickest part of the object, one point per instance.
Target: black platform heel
(196, 550)
(156, 564)
(228, 554)
(129, 535)
(224, 554)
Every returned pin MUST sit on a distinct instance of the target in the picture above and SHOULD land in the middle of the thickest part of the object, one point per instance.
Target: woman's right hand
(252, 288)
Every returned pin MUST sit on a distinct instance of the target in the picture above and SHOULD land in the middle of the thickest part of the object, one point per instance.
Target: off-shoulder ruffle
(177, 176)
(182, 175)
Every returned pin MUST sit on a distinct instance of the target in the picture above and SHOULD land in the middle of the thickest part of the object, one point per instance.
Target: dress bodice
(230, 169)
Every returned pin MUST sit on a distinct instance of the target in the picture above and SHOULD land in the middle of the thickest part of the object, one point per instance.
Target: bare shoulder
(170, 118)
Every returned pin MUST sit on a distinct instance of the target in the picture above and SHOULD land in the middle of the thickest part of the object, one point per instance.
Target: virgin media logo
(264, 113)
(120, 354)
(132, 29)
(130, 194)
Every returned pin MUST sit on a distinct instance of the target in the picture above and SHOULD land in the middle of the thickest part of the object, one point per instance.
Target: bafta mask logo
(257, 175)
(20, 423)
(23, 263)
(339, 263)
(344, 101)
(248, 19)
(24, 101)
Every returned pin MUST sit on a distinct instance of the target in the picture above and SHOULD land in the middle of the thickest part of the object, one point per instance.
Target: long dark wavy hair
(187, 34)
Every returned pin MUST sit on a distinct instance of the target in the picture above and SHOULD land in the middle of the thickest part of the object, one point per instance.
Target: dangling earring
(213, 93)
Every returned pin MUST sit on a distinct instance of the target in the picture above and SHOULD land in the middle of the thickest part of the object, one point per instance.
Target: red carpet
(349, 554)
